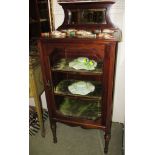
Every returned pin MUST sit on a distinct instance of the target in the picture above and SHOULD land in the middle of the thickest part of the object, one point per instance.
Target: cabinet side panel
(46, 78)
(108, 83)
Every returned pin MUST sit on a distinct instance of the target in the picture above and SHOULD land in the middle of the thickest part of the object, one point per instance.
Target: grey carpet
(76, 141)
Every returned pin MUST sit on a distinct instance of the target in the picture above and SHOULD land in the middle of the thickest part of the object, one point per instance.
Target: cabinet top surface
(84, 36)
(76, 40)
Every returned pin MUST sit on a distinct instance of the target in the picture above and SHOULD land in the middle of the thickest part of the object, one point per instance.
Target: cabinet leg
(53, 128)
(43, 132)
(41, 118)
(107, 137)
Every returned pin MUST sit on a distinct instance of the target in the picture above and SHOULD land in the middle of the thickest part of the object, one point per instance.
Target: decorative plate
(83, 63)
(81, 88)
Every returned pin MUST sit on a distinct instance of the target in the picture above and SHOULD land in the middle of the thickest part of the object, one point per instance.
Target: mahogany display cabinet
(97, 40)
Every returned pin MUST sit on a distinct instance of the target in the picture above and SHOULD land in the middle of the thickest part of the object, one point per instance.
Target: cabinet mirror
(87, 16)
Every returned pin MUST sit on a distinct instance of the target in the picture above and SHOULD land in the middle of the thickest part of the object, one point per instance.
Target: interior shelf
(80, 108)
(62, 90)
(42, 2)
(63, 66)
(43, 20)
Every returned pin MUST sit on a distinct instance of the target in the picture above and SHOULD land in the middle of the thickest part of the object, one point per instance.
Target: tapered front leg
(107, 137)
(53, 128)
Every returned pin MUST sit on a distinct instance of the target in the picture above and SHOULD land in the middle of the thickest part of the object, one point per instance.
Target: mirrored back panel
(87, 16)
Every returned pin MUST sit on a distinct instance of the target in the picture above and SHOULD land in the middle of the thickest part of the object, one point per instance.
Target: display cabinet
(78, 66)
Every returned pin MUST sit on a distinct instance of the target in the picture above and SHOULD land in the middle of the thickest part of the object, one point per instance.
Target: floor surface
(76, 141)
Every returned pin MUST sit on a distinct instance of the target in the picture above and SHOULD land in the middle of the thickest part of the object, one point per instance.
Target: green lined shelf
(63, 66)
(80, 108)
(62, 90)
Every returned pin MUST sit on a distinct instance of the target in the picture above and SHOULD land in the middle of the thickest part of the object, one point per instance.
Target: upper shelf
(42, 2)
(63, 66)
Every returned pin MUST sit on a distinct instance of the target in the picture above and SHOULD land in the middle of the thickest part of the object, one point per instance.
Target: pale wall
(117, 16)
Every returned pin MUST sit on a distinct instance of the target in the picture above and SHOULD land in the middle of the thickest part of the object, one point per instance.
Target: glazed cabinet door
(58, 76)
